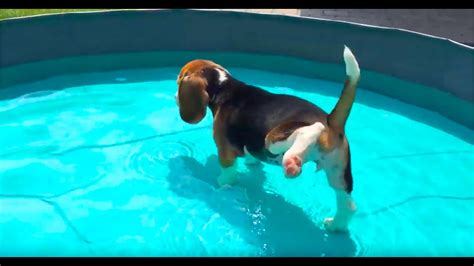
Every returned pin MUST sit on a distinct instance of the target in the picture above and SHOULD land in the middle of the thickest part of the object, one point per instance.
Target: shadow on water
(265, 220)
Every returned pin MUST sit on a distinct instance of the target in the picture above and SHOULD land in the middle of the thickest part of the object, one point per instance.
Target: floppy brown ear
(193, 99)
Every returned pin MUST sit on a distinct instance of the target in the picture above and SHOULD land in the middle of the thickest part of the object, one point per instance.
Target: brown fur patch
(328, 140)
(226, 151)
(338, 117)
(195, 67)
(192, 90)
(193, 98)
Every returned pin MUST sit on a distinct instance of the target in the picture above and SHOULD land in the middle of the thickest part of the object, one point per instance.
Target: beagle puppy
(274, 128)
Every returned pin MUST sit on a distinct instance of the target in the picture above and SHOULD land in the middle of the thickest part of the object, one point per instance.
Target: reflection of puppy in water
(251, 122)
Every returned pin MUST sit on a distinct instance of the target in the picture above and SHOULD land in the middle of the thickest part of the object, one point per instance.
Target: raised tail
(338, 116)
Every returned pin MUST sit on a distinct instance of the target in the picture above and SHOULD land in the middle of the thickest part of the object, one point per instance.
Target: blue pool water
(101, 165)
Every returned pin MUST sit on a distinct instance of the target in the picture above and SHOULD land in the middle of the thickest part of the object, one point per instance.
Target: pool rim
(272, 20)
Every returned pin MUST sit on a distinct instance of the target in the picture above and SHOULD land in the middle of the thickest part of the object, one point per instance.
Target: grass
(14, 13)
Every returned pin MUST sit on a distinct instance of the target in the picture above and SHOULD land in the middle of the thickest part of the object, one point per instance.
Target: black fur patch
(348, 172)
(254, 112)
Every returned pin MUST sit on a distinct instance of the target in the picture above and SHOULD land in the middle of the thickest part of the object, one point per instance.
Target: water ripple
(410, 199)
(104, 146)
(149, 159)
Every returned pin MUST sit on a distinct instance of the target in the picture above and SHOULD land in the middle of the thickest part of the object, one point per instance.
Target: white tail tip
(352, 67)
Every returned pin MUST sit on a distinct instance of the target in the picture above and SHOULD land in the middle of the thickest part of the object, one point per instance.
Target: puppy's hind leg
(345, 210)
(299, 147)
(340, 179)
(281, 138)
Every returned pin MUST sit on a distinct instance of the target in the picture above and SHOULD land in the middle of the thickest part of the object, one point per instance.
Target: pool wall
(419, 69)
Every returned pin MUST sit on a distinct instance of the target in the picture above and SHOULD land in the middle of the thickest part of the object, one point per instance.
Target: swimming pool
(101, 164)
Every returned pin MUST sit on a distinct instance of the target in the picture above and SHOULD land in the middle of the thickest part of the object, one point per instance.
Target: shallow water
(101, 164)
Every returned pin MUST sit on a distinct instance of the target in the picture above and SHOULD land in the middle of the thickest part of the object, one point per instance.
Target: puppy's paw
(293, 166)
(334, 226)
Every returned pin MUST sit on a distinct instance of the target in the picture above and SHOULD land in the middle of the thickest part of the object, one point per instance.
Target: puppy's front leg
(228, 164)
(338, 172)
(227, 153)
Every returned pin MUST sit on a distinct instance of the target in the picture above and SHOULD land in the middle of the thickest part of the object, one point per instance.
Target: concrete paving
(454, 24)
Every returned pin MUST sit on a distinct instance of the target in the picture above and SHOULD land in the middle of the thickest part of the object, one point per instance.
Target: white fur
(305, 142)
(333, 167)
(352, 67)
(222, 75)
(301, 143)
(282, 146)
(345, 210)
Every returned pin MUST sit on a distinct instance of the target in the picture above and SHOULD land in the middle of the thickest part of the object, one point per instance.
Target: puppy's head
(194, 82)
